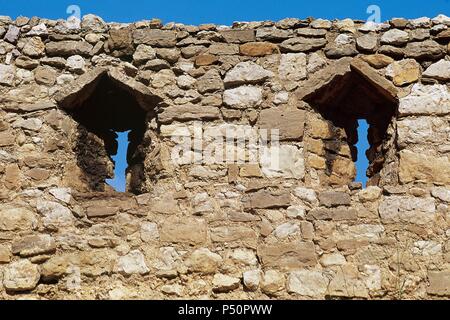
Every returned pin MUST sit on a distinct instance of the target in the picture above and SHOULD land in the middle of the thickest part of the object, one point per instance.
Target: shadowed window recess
(113, 115)
(359, 113)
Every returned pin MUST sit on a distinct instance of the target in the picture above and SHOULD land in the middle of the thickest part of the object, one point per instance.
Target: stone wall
(239, 230)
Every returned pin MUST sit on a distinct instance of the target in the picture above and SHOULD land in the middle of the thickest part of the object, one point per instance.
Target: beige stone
(183, 230)
(415, 167)
(288, 256)
(403, 72)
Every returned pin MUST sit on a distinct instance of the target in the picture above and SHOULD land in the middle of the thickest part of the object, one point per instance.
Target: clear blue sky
(225, 12)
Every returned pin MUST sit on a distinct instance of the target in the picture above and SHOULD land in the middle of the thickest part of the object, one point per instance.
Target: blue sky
(224, 12)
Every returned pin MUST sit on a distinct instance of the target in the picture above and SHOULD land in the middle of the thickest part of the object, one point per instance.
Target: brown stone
(5, 254)
(6, 139)
(38, 174)
(183, 230)
(101, 211)
(205, 60)
(33, 245)
(288, 256)
(68, 48)
(334, 198)
(45, 76)
(238, 36)
(265, 200)
(291, 123)
(258, 49)
(188, 112)
(155, 37)
(403, 72)
(378, 61)
(12, 177)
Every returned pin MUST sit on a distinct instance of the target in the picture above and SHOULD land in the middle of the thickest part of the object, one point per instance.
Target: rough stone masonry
(231, 231)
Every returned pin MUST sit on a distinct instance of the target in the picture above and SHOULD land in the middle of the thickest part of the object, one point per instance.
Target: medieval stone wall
(224, 230)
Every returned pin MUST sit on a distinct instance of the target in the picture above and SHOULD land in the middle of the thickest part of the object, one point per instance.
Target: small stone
(315, 62)
(345, 25)
(223, 49)
(247, 73)
(38, 30)
(302, 44)
(439, 283)
(34, 47)
(224, 283)
(295, 212)
(172, 290)
(395, 37)
(243, 97)
(441, 19)
(403, 72)
(428, 49)
(21, 275)
(238, 36)
(292, 67)
(155, 37)
(258, 49)
(371, 193)
(143, 53)
(62, 194)
(321, 24)
(426, 100)
(273, 282)
(32, 124)
(55, 214)
(439, 71)
(93, 23)
(423, 22)
(5, 254)
(285, 230)
(132, 263)
(7, 74)
(252, 279)
(33, 245)
(368, 43)
(75, 64)
(16, 219)
(308, 283)
(45, 76)
(332, 259)
(334, 199)
(204, 261)
(211, 81)
(441, 193)
(12, 35)
(378, 61)
(68, 48)
(205, 60)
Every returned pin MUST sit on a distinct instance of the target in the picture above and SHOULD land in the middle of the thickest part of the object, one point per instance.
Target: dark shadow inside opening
(343, 102)
(108, 110)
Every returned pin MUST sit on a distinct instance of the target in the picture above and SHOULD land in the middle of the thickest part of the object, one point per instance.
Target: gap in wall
(119, 182)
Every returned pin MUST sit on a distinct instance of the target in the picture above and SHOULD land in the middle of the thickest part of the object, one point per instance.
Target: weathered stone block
(290, 123)
(415, 167)
(183, 230)
(288, 256)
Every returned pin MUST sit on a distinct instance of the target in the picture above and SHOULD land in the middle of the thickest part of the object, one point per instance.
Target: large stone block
(414, 210)
(439, 283)
(183, 230)
(288, 256)
(265, 200)
(426, 100)
(416, 167)
(232, 235)
(155, 37)
(16, 218)
(290, 123)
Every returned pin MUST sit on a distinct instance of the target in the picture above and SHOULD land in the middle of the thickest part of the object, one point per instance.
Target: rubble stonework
(224, 230)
